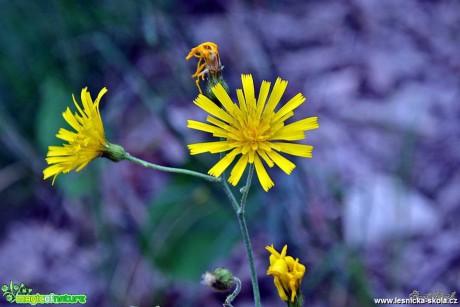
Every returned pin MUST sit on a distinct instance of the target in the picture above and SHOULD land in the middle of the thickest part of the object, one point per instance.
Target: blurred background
(375, 213)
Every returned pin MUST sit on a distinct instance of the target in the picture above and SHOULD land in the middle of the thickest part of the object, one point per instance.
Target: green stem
(247, 244)
(230, 196)
(239, 210)
(128, 157)
(246, 188)
(231, 297)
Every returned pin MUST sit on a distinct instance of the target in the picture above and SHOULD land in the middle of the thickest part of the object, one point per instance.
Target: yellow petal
(206, 104)
(264, 178)
(284, 251)
(66, 135)
(248, 88)
(86, 101)
(223, 97)
(222, 165)
(273, 258)
(263, 93)
(279, 123)
(305, 124)
(70, 118)
(99, 96)
(251, 153)
(263, 154)
(82, 165)
(279, 268)
(297, 269)
(283, 163)
(275, 96)
(310, 123)
(80, 111)
(272, 250)
(293, 286)
(218, 123)
(54, 160)
(51, 171)
(295, 131)
(300, 150)
(238, 170)
(292, 104)
(287, 135)
(217, 132)
(56, 151)
(280, 289)
(241, 101)
(290, 261)
(212, 147)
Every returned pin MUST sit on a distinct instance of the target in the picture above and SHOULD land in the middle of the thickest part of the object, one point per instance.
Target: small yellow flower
(287, 273)
(85, 144)
(253, 129)
(208, 61)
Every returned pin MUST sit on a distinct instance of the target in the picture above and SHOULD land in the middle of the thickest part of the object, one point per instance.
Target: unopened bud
(221, 279)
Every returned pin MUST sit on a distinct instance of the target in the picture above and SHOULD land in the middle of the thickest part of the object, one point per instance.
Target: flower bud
(221, 279)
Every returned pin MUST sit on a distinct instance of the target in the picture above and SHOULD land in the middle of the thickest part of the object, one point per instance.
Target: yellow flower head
(208, 61)
(253, 129)
(287, 273)
(85, 144)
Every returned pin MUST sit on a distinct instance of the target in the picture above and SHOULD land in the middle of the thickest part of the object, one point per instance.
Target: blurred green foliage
(187, 229)
(48, 50)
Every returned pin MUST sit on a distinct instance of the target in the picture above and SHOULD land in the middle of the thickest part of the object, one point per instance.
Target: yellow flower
(85, 144)
(287, 273)
(208, 61)
(253, 129)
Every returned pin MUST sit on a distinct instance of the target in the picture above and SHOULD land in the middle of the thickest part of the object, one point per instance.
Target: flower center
(86, 139)
(255, 133)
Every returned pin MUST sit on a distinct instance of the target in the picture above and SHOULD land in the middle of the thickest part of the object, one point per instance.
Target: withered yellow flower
(208, 61)
(287, 273)
(253, 129)
(84, 144)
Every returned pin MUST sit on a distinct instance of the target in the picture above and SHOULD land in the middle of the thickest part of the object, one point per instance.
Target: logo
(20, 294)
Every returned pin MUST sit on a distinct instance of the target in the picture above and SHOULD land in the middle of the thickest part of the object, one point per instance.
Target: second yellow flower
(253, 129)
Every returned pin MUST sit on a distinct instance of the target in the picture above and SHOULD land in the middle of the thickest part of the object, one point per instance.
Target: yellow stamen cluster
(287, 273)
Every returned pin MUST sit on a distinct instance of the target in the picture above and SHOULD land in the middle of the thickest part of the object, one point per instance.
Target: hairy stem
(246, 188)
(234, 294)
(239, 210)
(247, 244)
(128, 157)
